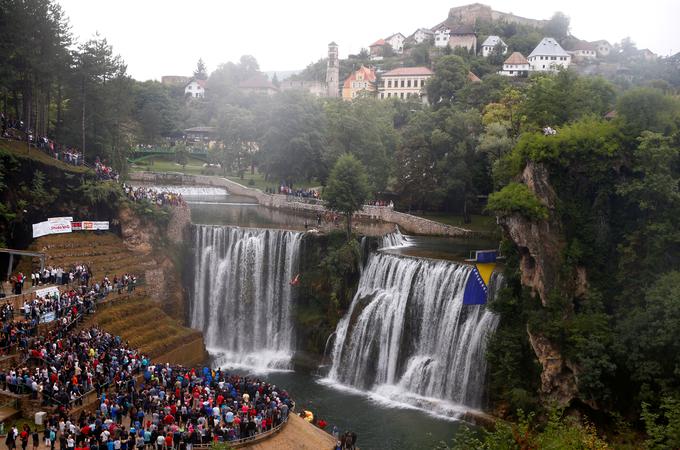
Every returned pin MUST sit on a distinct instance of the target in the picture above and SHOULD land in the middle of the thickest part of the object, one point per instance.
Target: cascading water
(407, 337)
(189, 191)
(394, 240)
(242, 294)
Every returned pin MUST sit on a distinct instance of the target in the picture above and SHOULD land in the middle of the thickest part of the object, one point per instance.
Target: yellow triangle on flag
(485, 271)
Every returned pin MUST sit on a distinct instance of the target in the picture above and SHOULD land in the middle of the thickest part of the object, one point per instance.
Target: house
(441, 36)
(396, 41)
(583, 51)
(472, 78)
(359, 83)
(377, 49)
(490, 44)
(516, 66)
(646, 54)
(422, 35)
(195, 89)
(258, 83)
(603, 48)
(463, 36)
(405, 82)
(548, 56)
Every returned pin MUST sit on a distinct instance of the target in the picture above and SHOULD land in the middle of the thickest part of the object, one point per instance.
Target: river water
(390, 410)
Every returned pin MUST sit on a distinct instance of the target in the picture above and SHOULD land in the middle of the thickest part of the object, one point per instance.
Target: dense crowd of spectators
(105, 172)
(153, 195)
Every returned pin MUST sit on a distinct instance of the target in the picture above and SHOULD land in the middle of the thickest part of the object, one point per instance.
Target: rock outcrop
(541, 246)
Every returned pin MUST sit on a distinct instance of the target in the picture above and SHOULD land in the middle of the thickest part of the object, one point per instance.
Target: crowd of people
(160, 198)
(105, 172)
(301, 193)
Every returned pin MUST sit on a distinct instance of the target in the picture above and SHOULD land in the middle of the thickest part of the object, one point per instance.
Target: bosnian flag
(477, 287)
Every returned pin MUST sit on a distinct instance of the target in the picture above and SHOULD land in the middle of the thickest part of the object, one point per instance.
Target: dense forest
(592, 211)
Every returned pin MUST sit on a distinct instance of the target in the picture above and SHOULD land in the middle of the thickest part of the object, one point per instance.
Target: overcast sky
(166, 37)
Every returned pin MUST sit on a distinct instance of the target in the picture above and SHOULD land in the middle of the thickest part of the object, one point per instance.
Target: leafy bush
(516, 198)
(663, 426)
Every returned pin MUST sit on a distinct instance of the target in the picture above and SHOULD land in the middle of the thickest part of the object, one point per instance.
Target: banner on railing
(89, 225)
(56, 219)
(51, 227)
(48, 317)
(44, 292)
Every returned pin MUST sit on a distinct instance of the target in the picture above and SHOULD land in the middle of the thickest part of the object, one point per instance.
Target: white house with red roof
(195, 89)
(405, 82)
(516, 66)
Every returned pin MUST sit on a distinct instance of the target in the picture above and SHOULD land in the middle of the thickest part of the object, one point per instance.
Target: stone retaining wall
(408, 223)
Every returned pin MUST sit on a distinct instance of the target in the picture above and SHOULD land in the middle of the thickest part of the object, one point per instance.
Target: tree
(557, 27)
(201, 72)
(450, 75)
(347, 188)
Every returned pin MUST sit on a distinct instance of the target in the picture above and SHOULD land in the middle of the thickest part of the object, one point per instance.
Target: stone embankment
(408, 223)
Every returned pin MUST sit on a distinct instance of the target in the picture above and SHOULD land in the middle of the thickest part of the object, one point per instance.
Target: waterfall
(408, 338)
(395, 240)
(188, 191)
(242, 297)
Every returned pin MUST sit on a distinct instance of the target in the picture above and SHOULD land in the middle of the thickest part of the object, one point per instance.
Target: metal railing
(248, 440)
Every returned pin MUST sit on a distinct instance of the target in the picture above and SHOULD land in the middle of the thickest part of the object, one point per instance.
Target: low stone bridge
(408, 223)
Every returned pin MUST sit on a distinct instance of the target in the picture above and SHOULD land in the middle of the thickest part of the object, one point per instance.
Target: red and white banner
(51, 227)
(86, 225)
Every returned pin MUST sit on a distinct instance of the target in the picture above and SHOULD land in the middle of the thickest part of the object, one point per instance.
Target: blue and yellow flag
(477, 286)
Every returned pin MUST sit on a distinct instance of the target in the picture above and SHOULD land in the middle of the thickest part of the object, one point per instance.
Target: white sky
(166, 37)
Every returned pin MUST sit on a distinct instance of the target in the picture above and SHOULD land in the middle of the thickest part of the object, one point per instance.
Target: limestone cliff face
(541, 245)
(162, 276)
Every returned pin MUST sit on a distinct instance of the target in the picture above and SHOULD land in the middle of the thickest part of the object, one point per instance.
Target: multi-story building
(405, 82)
(396, 41)
(422, 35)
(516, 66)
(358, 83)
(549, 56)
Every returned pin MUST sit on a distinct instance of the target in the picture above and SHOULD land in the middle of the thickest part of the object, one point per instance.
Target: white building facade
(490, 44)
(441, 36)
(549, 56)
(195, 89)
(405, 82)
(516, 66)
(396, 41)
(422, 34)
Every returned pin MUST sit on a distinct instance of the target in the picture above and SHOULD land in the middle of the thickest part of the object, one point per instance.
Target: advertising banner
(48, 317)
(56, 219)
(53, 227)
(89, 225)
(44, 292)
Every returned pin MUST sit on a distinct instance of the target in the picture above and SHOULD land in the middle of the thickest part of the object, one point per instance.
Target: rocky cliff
(541, 248)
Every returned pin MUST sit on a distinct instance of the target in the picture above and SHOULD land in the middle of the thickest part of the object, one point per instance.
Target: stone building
(333, 71)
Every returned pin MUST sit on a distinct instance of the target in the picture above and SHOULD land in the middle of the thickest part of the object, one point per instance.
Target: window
(552, 58)
(382, 95)
(402, 83)
(408, 83)
(389, 83)
(401, 95)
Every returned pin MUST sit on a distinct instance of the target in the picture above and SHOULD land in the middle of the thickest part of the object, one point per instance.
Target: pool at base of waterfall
(381, 419)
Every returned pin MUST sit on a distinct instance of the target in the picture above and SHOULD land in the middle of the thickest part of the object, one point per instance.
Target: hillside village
(493, 42)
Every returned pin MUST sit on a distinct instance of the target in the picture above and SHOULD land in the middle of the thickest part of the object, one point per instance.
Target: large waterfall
(408, 338)
(242, 294)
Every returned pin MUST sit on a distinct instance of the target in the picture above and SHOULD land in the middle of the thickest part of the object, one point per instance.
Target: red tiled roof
(473, 78)
(401, 71)
(516, 58)
(369, 75)
(583, 45)
(378, 43)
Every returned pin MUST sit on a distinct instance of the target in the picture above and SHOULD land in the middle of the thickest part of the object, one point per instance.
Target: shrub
(516, 198)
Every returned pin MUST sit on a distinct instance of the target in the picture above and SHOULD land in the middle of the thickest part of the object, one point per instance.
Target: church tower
(333, 71)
